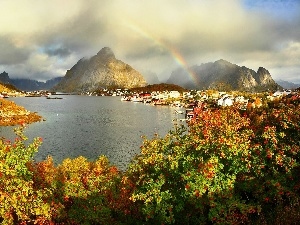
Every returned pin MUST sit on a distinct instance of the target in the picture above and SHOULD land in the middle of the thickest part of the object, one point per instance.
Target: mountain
(100, 71)
(34, 85)
(223, 75)
(151, 77)
(28, 84)
(4, 78)
(287, 84)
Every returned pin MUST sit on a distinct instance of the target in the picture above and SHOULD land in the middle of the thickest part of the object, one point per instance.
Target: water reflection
(93, 126)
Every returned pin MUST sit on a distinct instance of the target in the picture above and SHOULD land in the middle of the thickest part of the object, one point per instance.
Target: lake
(91, 126)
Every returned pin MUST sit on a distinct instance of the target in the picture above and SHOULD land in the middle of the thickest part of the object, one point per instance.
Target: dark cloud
(10, 53)
(58, 51)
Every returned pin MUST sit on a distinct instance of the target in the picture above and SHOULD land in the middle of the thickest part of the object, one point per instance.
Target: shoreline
(12, 114)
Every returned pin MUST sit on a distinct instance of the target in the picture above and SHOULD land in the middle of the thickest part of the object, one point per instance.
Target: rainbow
(178, 58)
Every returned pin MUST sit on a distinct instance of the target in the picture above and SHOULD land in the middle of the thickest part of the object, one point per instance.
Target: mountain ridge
(222, 73)
(287, 84)
(28, 84)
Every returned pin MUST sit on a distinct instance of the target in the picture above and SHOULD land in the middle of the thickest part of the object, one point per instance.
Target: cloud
(43, 39)
(11, 53)
(58, 51)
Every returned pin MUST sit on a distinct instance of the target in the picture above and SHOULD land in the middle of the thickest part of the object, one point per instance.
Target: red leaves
(196, 193)
(269, 154)
(113, 170)
(66, 198)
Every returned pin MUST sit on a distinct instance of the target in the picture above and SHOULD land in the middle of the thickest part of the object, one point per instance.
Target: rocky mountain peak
(106, 53)
(222, 73)
(262, 70)
(4, 78)
(223, 61)
(101, 70)
(263, 76)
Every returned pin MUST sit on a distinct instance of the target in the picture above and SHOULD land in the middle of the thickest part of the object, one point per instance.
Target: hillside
(11, 114)
(222, 75)
(101, 70)
(8, 88)
(159, 87)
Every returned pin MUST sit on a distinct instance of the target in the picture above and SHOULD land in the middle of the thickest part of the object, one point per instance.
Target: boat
(34, 95)
(147, 100)
(178, 111)
(54, 98)
(136, 99)
(124, 98)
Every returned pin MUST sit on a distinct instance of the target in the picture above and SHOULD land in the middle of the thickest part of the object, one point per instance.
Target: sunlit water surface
(93, 126)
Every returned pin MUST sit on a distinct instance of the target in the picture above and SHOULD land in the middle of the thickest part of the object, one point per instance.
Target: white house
(281, 93)
(174, 94)
(187, 95)
(225, 101)
(240, 99)
(163, 96)
(220, 101)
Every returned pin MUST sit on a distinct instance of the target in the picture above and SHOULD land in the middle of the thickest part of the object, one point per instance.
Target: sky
(43, 39)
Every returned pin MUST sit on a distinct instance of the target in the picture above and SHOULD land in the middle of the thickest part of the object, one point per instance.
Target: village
(188, 100)
(193, 100)
(178, 98)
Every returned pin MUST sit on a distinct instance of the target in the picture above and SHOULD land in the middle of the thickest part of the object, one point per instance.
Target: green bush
(230, 167)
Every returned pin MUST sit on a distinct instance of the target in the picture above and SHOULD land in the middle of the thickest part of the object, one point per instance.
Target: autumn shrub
(86, 188)
(84, 192)
(189, 176)
(77, 191)
(19, 200)
(275, 150)
(229, 167)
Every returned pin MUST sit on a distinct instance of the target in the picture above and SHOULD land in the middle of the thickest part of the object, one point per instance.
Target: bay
(91, 126)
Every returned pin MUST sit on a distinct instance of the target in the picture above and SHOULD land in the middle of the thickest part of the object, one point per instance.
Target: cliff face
(101, 70)
(223, 73)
